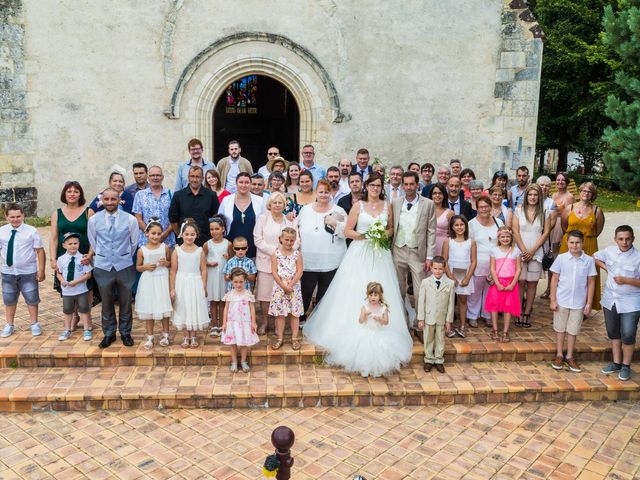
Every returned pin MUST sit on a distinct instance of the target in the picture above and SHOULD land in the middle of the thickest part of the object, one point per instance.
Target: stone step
(298, 385)
(532, 344)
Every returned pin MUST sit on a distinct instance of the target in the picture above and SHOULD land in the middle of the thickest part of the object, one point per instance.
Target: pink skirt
(503, 301)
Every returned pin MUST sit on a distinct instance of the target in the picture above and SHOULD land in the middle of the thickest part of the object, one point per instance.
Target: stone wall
(118, 82)
(16, 144)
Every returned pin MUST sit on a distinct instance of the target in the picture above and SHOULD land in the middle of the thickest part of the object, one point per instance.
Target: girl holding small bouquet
(503, 296)
(239, 320)
(153, 301)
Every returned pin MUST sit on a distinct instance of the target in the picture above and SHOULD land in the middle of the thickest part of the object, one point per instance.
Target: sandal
(518, 322)
(277, 344)
(185, 342)
(495, 336)
(505, 337)
(525, 322)
(295, 344)
(194, 342)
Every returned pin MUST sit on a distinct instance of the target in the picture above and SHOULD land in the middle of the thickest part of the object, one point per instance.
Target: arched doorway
(259, 112)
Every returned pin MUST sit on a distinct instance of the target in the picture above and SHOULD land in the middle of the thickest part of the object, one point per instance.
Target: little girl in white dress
(187, 283)
(152, 299)
(217, 252)
(372, 348)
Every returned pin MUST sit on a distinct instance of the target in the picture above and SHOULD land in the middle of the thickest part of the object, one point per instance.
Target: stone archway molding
(264, 66)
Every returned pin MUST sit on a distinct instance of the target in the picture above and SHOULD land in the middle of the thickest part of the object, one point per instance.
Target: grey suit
(412, 259)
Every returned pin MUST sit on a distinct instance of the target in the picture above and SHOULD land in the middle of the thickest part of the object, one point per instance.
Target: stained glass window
(242, 96)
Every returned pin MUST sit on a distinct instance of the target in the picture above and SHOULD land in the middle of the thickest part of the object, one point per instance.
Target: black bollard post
(282, 438)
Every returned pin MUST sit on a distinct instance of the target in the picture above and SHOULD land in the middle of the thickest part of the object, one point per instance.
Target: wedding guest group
(339, 256)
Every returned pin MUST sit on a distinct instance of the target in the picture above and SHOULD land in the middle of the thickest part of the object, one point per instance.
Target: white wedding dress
(334, 325)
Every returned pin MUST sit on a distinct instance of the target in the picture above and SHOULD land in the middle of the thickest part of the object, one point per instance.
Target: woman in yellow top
(589, 219)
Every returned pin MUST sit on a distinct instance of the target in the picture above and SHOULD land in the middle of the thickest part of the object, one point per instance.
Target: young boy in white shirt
(572, 286)
(23, 261)
(73, 276)
(621, 299)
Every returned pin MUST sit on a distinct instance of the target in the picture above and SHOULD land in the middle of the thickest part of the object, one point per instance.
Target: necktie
(409, 205)
(451, 204)
(72, 269)
(112, 222)
(437, 283)
(10, 247)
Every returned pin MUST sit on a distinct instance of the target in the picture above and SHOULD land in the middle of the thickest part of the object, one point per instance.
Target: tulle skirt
(334, 324)
(503, 301)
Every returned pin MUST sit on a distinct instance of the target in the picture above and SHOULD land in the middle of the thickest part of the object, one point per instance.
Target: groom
(414, 227)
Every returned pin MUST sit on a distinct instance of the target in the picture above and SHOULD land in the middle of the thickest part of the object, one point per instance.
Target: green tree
(622, 34)
(576, 78)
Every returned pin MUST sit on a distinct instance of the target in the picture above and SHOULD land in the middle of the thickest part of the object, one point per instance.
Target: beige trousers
(407, 261)
(434, 344)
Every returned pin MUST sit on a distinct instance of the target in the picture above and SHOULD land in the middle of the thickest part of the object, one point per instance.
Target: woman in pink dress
(439, 195)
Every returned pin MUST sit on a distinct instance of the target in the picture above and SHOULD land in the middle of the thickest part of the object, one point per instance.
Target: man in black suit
(355, 185)
(455, 201)
(362, 166)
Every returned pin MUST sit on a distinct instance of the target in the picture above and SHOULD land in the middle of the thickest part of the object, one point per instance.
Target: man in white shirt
(272, 152)
(229, 167)
(344, 166)
(621, 299)
(23, 261)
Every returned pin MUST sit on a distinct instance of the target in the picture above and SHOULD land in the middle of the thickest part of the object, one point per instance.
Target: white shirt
(234, 170)
(485, 238)
(264, 172)
(626, 298)
(134, 228)
(79, 270)
(573, 275)
(321, 251)
(338, 195)
(25, 243)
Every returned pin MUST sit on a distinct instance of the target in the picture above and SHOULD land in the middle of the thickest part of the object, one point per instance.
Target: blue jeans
(621, 326)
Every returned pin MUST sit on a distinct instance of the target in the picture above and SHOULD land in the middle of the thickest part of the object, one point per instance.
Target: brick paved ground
(585, 440)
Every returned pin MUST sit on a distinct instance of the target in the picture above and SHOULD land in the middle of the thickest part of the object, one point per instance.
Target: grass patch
(614, 201)
(38, 221)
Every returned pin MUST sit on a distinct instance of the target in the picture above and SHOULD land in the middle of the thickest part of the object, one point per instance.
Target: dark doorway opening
(259, 112)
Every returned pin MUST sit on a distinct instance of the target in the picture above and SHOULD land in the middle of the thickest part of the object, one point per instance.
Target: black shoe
(428, 367)
(127, 340)
(107, 340)
(440, 367)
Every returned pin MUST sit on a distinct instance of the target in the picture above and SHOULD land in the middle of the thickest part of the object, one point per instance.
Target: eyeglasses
(274, 154)
(376, 185)
(500, 173)
(239, 249)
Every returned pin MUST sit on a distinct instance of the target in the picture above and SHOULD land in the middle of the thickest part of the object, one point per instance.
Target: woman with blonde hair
(266, 235)
(531, 227)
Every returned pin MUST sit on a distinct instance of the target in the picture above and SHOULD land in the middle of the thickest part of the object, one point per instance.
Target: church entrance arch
(259, 112)
(278, 60)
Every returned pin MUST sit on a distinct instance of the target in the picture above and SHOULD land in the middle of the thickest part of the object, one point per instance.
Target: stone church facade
(85, 85)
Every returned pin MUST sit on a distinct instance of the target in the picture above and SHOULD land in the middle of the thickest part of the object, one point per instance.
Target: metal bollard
(281, 461)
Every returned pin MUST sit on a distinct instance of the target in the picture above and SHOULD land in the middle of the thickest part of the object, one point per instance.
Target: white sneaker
(164, 340)
(149, 343)
(87, 336)
(65, 335)
(7, 331)
(36, 330)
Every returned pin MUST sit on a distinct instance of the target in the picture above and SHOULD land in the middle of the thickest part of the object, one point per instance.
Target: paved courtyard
(584, 440)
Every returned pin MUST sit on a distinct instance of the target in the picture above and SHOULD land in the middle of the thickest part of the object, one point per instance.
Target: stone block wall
(16, 145)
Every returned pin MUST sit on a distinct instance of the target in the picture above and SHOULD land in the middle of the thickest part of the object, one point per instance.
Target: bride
(365, 348)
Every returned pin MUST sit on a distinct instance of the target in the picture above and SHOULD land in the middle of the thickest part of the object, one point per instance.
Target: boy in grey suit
(435, 307)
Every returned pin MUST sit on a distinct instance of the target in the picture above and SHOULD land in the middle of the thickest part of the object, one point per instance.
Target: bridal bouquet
(377, 235)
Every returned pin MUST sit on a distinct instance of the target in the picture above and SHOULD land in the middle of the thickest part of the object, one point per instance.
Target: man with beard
(344, 166)
(333, 177)
(229, 167)
(517, 191)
